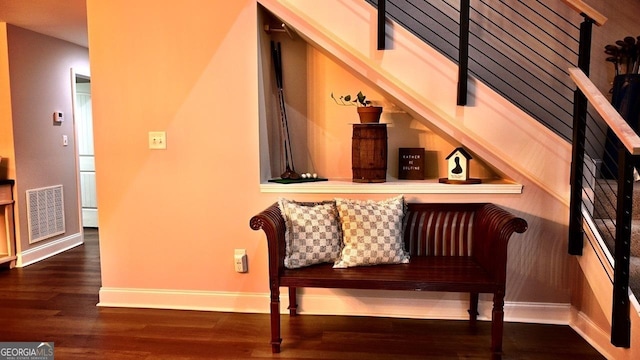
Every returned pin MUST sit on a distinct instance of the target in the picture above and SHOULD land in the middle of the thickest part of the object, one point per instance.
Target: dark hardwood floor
(55, 301)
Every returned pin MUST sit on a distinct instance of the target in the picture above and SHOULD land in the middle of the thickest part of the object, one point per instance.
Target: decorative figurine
(458, 168)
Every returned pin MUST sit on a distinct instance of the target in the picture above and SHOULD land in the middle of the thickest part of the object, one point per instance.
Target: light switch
(157, 140)
(65, 140)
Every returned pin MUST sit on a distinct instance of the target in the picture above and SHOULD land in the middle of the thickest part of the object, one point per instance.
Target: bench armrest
(492, 231)
(270, 220)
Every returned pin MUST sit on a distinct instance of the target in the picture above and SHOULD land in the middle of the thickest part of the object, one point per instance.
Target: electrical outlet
(157, 140)
(240, 260)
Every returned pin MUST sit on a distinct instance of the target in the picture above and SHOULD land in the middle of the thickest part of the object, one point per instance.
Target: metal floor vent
(45, 207)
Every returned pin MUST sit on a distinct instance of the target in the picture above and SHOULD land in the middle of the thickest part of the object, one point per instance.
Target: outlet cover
(240, 260)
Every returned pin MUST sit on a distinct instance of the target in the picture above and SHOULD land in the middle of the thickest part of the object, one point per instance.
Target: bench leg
(473, 308)
(275, 319)
(293, 302)
(497, 325)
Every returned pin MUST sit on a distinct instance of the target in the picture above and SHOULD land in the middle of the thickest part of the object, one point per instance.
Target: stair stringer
(595, 264)
(424, 82)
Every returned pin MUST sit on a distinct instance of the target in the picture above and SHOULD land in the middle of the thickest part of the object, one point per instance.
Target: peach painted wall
(171, 219)
(40, 83)
(7, 168)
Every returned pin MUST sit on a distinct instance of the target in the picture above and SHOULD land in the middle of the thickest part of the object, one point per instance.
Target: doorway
(86, 161)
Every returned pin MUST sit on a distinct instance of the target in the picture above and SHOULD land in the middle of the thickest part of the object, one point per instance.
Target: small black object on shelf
(296, 181)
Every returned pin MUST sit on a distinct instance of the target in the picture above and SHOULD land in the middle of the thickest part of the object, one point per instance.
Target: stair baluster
(463, 52)
(382, 15)
(620, 321)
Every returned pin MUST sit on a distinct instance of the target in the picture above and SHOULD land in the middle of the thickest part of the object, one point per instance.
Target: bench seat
(451, 273)
(452, 247)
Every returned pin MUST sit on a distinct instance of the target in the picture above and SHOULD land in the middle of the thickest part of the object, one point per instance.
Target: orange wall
(7, 169)
(170, 219)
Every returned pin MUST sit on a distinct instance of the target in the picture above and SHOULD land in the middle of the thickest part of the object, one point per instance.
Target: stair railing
(576, 232)
(519, 48)
(463, 45)
(582, 138)
(533, 84)
(587, 11)
(629, 150)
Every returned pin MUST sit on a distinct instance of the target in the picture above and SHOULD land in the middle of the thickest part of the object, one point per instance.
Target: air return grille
(45, 207)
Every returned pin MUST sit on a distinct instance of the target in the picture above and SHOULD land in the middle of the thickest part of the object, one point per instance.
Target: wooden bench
(429, 230)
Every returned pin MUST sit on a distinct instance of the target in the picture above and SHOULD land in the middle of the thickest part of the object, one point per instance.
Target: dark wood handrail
(582, 8)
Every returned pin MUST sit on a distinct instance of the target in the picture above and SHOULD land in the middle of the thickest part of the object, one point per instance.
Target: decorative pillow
(372, 232)
(312, 234)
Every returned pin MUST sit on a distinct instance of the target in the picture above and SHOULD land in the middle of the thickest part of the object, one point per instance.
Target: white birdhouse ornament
(458, 165)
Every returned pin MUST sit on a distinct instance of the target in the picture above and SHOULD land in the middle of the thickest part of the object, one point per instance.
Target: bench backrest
(480, 230)
(439, 229)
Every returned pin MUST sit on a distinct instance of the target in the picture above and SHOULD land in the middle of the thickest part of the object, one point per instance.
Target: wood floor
(55, 301)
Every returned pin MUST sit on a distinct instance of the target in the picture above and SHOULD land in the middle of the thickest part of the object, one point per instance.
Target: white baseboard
(593, 334)
(184, 300)
(365, 303)
(48, 249)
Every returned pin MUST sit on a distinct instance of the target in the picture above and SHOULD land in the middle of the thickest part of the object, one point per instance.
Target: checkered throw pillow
(312, 234)
(372, 232)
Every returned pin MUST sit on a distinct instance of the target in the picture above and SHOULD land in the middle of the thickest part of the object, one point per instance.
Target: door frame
(74, 75)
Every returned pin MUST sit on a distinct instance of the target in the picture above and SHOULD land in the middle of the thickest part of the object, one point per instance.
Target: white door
(84, 127)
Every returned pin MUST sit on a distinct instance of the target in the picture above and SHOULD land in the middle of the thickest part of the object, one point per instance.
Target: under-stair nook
(493, 76)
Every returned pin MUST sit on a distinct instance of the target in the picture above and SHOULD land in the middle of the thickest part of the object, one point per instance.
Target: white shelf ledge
(393, 187)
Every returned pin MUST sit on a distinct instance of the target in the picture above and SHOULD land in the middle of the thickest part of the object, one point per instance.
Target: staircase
(520, 49)
(428, 93)
(540, 21)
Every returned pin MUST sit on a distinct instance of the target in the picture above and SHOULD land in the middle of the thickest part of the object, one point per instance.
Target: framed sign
(411, 163)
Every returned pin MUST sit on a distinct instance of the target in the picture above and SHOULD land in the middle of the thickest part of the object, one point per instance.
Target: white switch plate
(65, 140)
(157, 140)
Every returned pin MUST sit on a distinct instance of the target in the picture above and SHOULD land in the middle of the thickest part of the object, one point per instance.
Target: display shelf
(346, 186)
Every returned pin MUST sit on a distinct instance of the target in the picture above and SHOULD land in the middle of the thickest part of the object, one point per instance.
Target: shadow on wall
(537, 269)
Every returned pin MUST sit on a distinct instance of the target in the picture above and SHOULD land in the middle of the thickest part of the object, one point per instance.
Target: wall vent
(45, 209)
